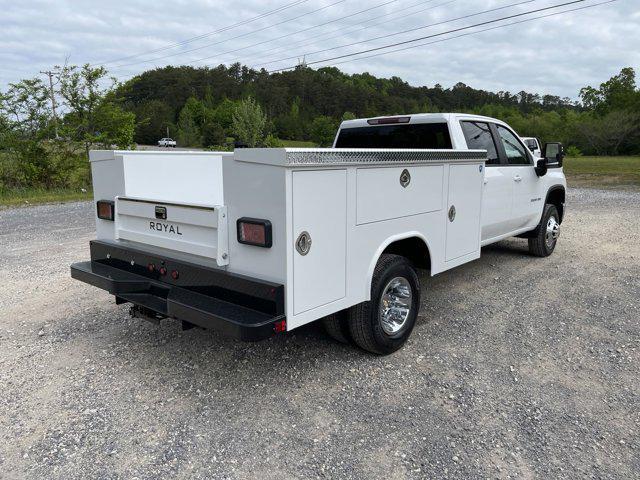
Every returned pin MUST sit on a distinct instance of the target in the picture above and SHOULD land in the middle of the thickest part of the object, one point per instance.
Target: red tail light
(106, 210)
(280, 326)
(254, 231)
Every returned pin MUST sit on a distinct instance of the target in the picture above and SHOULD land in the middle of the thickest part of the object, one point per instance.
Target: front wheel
(546, 236)
(383, 324)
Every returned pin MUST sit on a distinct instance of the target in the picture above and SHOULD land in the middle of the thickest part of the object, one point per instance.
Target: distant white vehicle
(533, 144)
(167, 142)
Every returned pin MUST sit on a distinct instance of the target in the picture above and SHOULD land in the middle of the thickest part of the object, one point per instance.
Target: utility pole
(50, 74)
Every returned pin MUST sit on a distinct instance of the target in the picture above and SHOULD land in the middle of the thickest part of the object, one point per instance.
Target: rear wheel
(383, 324)
(546, 236)
(337, 327)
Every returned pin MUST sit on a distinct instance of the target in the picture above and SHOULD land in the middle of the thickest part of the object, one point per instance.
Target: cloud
(557, 55)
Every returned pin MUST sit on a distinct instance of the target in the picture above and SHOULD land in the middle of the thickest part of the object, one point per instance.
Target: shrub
(573, 151)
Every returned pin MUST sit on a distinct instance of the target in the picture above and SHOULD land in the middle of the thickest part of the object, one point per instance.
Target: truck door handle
(517, 178)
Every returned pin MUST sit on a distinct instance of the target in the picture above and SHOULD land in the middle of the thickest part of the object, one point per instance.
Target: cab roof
(418, 118)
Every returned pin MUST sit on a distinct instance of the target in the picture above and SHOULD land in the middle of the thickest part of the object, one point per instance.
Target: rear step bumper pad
(235, 320)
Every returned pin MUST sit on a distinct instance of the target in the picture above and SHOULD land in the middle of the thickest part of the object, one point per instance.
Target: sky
(556, 55)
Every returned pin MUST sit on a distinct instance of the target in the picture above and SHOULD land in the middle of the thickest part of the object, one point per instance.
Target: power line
(233, 38)
(478, 31)
(342, 46)
(405, 42)
(298, 31)
(443, 22)
(363, 25)
(208, 34)
(461, 35)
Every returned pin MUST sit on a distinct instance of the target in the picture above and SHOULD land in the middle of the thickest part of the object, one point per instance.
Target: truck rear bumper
(238, 306)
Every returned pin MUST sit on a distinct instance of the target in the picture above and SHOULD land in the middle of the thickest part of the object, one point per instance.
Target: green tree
(213, 134)
(197, 110)
(291, 126)
(188, 131)
(94, 115)
(617, 93)
(223, 113)
(24, 107)
(25, 116)
(113, 126)
(608, 135)
(153, 119)
(249, 123)
(323, 130)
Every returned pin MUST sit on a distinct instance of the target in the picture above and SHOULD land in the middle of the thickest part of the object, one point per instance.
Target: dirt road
(518, 367)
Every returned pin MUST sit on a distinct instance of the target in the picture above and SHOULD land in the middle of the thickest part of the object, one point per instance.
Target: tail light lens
(388, 120)
(106, 210)
(254, 231)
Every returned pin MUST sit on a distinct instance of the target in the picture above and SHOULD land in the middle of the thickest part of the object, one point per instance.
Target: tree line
(219, 107)
(305, 104)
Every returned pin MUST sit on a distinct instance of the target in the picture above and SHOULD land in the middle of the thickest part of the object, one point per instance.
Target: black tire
(365, 322)
(541, 245)
(337, 327)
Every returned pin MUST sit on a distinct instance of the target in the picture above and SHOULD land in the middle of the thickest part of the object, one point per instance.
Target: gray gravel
(518, 368)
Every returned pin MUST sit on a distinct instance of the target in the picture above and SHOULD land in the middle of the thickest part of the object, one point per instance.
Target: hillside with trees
(214, 108)
(307, 104)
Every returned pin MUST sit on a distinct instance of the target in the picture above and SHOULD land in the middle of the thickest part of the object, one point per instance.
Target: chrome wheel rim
(395, 305)
(553, 231)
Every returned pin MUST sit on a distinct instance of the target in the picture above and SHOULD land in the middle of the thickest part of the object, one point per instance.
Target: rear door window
(478, 137)
(416, 135)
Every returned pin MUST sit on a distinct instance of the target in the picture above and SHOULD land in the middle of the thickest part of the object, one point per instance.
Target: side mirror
(532, 148)
(553, 153)
(541, 167)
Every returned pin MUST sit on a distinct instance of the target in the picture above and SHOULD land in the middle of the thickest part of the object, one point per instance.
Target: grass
(28, 196)
(603, 172)
(298, 144)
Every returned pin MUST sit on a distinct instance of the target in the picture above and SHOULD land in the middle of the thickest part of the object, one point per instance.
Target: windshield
(417, 135)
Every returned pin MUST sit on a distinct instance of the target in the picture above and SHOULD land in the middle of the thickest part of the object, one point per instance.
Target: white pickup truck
(262, 241)
(534, 145)
(167, 142)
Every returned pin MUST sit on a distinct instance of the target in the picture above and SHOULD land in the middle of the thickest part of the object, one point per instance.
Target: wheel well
(556, 197)
(413, 248)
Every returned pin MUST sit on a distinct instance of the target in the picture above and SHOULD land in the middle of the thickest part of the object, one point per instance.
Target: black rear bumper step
(239, 306)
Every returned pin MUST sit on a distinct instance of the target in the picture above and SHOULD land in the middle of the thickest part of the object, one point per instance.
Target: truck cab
(518, 184)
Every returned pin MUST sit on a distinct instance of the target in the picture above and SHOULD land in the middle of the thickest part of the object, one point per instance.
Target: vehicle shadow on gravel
(307, 341)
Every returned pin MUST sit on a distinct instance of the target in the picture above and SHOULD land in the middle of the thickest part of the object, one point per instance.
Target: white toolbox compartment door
(319, 208)
(463, 210)
(382, 196)
(189, 229)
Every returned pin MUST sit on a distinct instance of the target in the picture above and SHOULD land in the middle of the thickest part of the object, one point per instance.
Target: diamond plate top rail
(311, 157)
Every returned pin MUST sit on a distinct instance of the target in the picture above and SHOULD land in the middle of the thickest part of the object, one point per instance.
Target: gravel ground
(518, 368)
